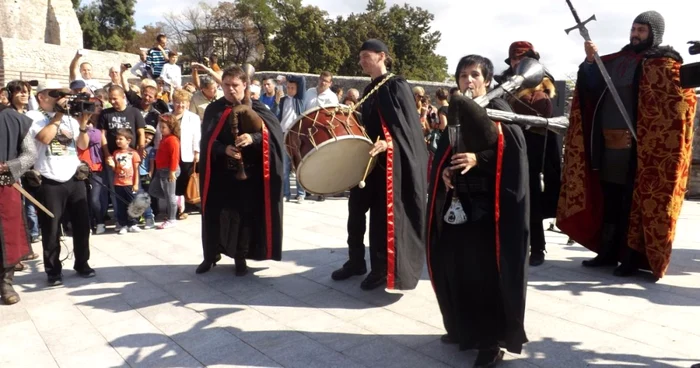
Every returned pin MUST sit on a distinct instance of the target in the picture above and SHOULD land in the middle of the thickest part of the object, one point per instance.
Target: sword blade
(573, 11)
(32, 199)
(615, 95)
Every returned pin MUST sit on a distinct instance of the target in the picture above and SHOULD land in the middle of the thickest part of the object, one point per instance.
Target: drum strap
(373, 91)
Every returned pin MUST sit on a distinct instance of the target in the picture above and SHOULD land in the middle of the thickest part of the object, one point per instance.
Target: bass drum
(329, 149)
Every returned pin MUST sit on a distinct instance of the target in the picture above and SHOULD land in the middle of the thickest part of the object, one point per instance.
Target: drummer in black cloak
(240, 218)
(395, 189)
(478, 267)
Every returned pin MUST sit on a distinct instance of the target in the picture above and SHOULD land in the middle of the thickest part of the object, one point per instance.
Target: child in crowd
(126, 179)
(167, 167)
(146, 173)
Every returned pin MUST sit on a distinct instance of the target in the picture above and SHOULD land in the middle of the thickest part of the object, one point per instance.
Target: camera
(694, 47)
(77, 103)
(127, 65)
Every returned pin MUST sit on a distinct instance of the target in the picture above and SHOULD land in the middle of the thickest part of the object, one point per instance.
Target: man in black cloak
(395, 189)
(240, 218)
(478, 268)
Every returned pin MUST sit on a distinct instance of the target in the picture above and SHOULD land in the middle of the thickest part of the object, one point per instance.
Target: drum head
(335, 166)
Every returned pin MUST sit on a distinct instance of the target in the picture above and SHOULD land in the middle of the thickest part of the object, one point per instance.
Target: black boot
(7, 292)
(374, 280)
(607, 256)
(349, 270)
(206, 265)
(241, 267)
(536, 258)
(488, 357)
(629, 265)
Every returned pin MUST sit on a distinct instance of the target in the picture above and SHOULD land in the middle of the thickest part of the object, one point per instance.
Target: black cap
(375, 46)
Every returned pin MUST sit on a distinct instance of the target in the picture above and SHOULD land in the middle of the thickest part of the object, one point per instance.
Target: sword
(32, 199)
(581, 26)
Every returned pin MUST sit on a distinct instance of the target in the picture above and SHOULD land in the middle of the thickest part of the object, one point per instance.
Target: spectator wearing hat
(58, 137)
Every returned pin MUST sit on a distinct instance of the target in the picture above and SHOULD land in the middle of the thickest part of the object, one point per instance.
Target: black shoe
(205, 266)
(488, 358)
(86, 272)
(321, 198)
(599, 261)
(373, 281)
(35, 239)
(348, 271)
(55, 280)
(570, 242)
(625, 269)
(241, 267)
(536, 258)
(447, 339)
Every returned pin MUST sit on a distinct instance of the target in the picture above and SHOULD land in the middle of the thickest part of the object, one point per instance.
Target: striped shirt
(155, 61)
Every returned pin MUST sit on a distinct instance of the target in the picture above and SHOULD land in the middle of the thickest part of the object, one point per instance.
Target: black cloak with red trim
(266, 185)
(391, 115)
(512, 225)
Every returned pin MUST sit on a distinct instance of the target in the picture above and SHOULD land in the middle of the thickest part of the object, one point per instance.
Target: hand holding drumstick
(379, 147)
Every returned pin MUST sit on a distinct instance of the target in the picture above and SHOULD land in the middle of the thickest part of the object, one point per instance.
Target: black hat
(375, 46)
(478, 131)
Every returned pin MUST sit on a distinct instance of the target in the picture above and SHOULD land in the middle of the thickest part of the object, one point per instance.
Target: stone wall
(38, 60)
(43, 21)
(358, 83)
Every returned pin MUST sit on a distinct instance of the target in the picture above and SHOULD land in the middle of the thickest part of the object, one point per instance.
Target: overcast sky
(470, 27)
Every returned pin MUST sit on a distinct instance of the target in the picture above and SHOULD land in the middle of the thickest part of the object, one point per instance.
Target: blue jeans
(98, 198)
(148, 214)
(123, 218)
(301, 193)
(30, 210)
(108, 179)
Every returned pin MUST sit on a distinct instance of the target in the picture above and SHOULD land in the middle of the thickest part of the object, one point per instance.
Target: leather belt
(6, 179)
(617, 138)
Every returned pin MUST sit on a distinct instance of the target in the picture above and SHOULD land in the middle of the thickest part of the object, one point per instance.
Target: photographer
(58, 136)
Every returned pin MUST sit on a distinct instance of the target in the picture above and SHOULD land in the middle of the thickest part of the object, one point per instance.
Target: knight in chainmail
(17, 155)
(621, 196)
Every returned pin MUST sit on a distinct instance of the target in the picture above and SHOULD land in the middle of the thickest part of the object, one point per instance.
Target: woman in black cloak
(477, 265)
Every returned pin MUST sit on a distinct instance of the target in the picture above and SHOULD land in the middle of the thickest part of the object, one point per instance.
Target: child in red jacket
(167, 167)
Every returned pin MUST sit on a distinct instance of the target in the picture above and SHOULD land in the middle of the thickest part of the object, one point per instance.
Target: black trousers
(617, 199)
(69, 198)
(371, 198)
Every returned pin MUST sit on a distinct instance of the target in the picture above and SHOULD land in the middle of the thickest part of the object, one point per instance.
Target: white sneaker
(150, 224)
(167, 224)
(134, 229)
(122, 230)
(300, 200)
(100, 229)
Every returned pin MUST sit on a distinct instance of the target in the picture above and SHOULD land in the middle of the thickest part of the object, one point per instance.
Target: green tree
(76, 4)
(306, 41)
(107, 24)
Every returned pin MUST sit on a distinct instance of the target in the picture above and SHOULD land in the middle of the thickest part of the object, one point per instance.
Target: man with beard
(542, 150)
(17, 155)
(241, 218)
(395, 189)
(621, 197)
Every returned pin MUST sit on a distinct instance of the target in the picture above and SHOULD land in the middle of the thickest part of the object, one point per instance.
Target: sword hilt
(581, 26)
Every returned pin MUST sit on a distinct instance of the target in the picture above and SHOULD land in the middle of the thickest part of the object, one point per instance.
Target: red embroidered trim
(207, 175)
(266, 181)
(430, 214)
(497, 208)
(390, 230)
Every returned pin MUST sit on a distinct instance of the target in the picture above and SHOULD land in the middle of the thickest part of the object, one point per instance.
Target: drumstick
(369, 163)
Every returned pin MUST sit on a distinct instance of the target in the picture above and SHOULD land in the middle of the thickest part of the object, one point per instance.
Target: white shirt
(289, 115)
(58, 160)
(140, 69)
(190, 135)
(172, 75)
(312, 99)
(91, 84)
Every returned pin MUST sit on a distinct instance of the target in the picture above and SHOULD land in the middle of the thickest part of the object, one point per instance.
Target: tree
(145, 38)
(190, 31)
(239, 39)
(107, 24)
(76, 4)
(306, 42)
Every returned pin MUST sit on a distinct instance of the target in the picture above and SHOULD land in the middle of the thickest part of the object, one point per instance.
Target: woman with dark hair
(477, 223)
(18, 95)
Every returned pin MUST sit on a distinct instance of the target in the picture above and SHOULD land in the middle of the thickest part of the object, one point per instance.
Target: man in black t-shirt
(121, 116)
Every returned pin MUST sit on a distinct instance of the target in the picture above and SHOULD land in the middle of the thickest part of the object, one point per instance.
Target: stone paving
(147, 308)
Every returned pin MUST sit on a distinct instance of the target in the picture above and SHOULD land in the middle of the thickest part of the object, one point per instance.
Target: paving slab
(147, 307)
